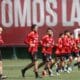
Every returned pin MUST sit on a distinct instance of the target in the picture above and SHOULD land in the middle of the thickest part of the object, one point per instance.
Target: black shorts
(75, 54)
(0, 56)
(33, 57)
(60, 57)
(43, 57)
(67, 55)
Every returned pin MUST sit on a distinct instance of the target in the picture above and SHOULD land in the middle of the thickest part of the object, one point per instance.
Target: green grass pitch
(12, 69)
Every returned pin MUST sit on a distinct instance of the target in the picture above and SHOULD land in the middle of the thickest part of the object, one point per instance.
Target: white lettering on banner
(64, 14)
(21, 16)
(35, 12)
(75, 15)
(39, 12)
(52, 13)
(9, 22)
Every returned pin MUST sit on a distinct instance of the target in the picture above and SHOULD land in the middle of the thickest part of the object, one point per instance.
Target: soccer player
(74, 48)
(47, 47)
(1, 42)
(1, 65)
(78, 52)
(60, 54)
(67, 46)
(32, 42)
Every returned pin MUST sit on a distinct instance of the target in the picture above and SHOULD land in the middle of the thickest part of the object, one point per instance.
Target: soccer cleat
(23, 73)
(38, 77)
(61, 70)
(58, 73)
(4, 77)
(51, 75)
(70, 69)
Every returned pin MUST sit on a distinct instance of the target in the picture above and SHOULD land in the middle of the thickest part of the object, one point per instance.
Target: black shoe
(38, 77)
(23, 73)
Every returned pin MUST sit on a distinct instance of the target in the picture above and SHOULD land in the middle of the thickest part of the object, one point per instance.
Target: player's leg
(44, 72)
(49, 64)
(1, 68)
(77, 61)
(52, 62)
(69, 63)
(62, 64)
(28, 66)
(43, 61)
(58, 68)
(35, 61)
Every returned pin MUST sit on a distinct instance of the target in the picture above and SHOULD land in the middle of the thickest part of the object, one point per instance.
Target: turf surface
(12, 69)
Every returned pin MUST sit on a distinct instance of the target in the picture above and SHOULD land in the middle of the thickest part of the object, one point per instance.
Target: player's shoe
(38, 77)
(4, 77)
(70, 69)
(58, 74)
(23, 73)
(51, 73)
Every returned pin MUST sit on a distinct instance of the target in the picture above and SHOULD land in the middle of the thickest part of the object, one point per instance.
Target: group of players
(65, 50)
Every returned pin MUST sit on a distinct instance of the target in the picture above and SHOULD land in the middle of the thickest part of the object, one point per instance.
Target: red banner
(16, 17)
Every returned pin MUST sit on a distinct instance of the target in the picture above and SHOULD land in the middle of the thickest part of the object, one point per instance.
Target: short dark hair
(49, 29)
(33, 26)
(61, 34)
(71, 34)
(66, 31)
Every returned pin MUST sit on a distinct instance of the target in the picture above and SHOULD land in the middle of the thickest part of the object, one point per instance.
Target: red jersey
(1, 40)
(60, 48)
(78, 43)
(77, 40)
(32, 39)
(74, 47)
(66, 44)
(47, 44)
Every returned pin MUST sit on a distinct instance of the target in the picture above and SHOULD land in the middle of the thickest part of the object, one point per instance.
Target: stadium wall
(16, 53)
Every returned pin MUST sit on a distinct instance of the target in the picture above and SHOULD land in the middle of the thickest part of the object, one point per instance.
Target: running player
(47, 47)
(1, 65)
(78, 52)
(60, 54)
(67, 46)
(32, 42)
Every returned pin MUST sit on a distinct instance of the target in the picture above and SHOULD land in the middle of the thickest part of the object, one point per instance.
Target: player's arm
(29, 40)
